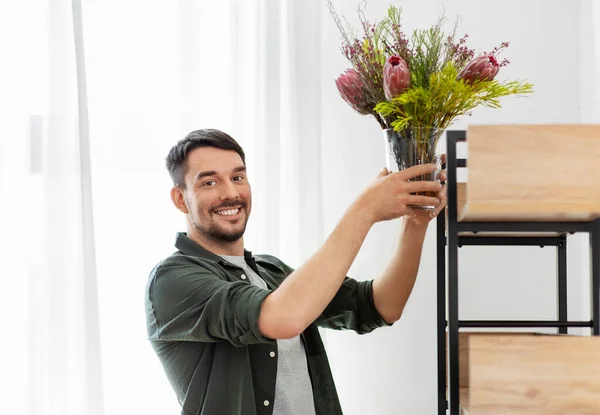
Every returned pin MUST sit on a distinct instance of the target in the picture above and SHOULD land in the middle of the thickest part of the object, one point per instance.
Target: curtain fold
(71, 347)
(94, 387)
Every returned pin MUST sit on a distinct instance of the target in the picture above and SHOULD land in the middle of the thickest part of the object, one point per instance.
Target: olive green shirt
(202, 321)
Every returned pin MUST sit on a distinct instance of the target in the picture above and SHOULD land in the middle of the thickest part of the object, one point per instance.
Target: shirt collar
(189, 247)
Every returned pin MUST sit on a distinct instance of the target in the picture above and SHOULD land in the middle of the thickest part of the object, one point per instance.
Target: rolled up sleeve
(186, 302)
(353, 308)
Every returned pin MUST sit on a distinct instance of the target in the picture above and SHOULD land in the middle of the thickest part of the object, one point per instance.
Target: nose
(228, 191)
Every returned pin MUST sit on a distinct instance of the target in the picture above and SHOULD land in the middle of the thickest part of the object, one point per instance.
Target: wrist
(361, 211)
(409, 225)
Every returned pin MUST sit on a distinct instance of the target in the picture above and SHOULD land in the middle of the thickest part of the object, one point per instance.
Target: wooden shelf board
(528, 212)
(543, 172)
(515, 211)
(533, 375)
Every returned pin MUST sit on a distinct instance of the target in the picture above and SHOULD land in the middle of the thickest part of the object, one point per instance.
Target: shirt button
(272, 354)
(266, 403)
(243, 277)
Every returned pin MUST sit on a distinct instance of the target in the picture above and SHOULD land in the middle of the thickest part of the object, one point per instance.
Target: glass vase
(411, 147)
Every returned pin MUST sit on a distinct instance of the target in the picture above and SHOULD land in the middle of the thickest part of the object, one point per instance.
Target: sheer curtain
(50, 304)
(97, 96)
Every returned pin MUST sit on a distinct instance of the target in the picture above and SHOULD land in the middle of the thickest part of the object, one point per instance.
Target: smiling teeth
(230, 212)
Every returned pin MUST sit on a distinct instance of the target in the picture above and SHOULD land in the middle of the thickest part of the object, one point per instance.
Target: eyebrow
(202, 174)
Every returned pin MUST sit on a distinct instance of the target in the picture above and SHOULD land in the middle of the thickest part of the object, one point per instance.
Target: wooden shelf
(531, 173)
(461, 193)
(463, 354)
(463, 361)
(532, 375)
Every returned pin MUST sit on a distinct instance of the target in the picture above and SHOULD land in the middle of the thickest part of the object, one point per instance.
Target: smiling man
(237, 333)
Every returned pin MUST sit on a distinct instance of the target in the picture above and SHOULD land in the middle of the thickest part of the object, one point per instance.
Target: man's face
(218, 194)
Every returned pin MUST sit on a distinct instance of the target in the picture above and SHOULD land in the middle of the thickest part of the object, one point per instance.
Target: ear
(178, 199)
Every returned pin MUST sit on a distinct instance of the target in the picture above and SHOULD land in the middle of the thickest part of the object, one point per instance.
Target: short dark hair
(177, 158)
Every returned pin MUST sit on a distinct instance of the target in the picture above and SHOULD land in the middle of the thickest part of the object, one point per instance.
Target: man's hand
(422, 217)
(391, 194)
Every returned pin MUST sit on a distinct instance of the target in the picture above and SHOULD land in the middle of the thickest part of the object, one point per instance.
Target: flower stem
(380, 120)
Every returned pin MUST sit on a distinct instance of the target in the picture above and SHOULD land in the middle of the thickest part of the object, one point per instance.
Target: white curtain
(97, 95)
(50, 301)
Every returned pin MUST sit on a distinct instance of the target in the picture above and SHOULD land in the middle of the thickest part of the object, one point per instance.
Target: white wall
(590, 61)
(393, 370)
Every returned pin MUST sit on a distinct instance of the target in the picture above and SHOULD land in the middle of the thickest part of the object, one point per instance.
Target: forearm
(392, 289)
(306, 292)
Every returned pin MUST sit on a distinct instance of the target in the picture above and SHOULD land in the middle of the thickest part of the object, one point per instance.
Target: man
(237, 333)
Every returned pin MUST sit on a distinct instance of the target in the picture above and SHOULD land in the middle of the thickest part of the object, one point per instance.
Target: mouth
(229, 213)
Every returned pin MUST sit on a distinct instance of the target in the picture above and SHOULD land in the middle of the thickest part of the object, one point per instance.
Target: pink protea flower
(396, 77)
(352, 90)
(482, 68)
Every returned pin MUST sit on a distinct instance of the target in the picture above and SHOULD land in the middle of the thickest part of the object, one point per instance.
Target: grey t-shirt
(293, 389)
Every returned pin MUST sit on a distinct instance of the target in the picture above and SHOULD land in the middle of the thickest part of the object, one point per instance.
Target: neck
(234, 248)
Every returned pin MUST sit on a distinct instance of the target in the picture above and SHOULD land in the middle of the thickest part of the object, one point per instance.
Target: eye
(209, 183)
(238, 178)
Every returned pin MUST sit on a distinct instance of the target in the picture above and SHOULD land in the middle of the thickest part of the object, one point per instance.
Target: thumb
(383, 172)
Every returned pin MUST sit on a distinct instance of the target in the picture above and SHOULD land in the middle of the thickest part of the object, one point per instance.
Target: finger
(422, 200)
(383, 172)
(443, 176)
(442, 195)
(444, 158)
(418, 170)
(443, 201)
(423, 186)
(438, 210)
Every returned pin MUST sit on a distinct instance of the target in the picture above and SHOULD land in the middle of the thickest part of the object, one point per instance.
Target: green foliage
(429, 55)
(445, 98)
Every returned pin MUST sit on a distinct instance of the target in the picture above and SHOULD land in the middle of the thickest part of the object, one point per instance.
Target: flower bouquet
(416, 88)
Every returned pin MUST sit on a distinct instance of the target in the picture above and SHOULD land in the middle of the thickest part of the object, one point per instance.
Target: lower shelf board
(530, 374)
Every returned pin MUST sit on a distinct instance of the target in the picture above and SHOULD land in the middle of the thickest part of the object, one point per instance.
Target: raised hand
(391, 194)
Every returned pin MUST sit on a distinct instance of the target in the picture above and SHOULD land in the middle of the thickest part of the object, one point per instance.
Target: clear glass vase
(411, 147)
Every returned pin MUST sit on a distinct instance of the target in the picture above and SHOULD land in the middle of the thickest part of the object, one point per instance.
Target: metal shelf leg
(561, 250)
(441, 312)
(453, 375)
(595, 268)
